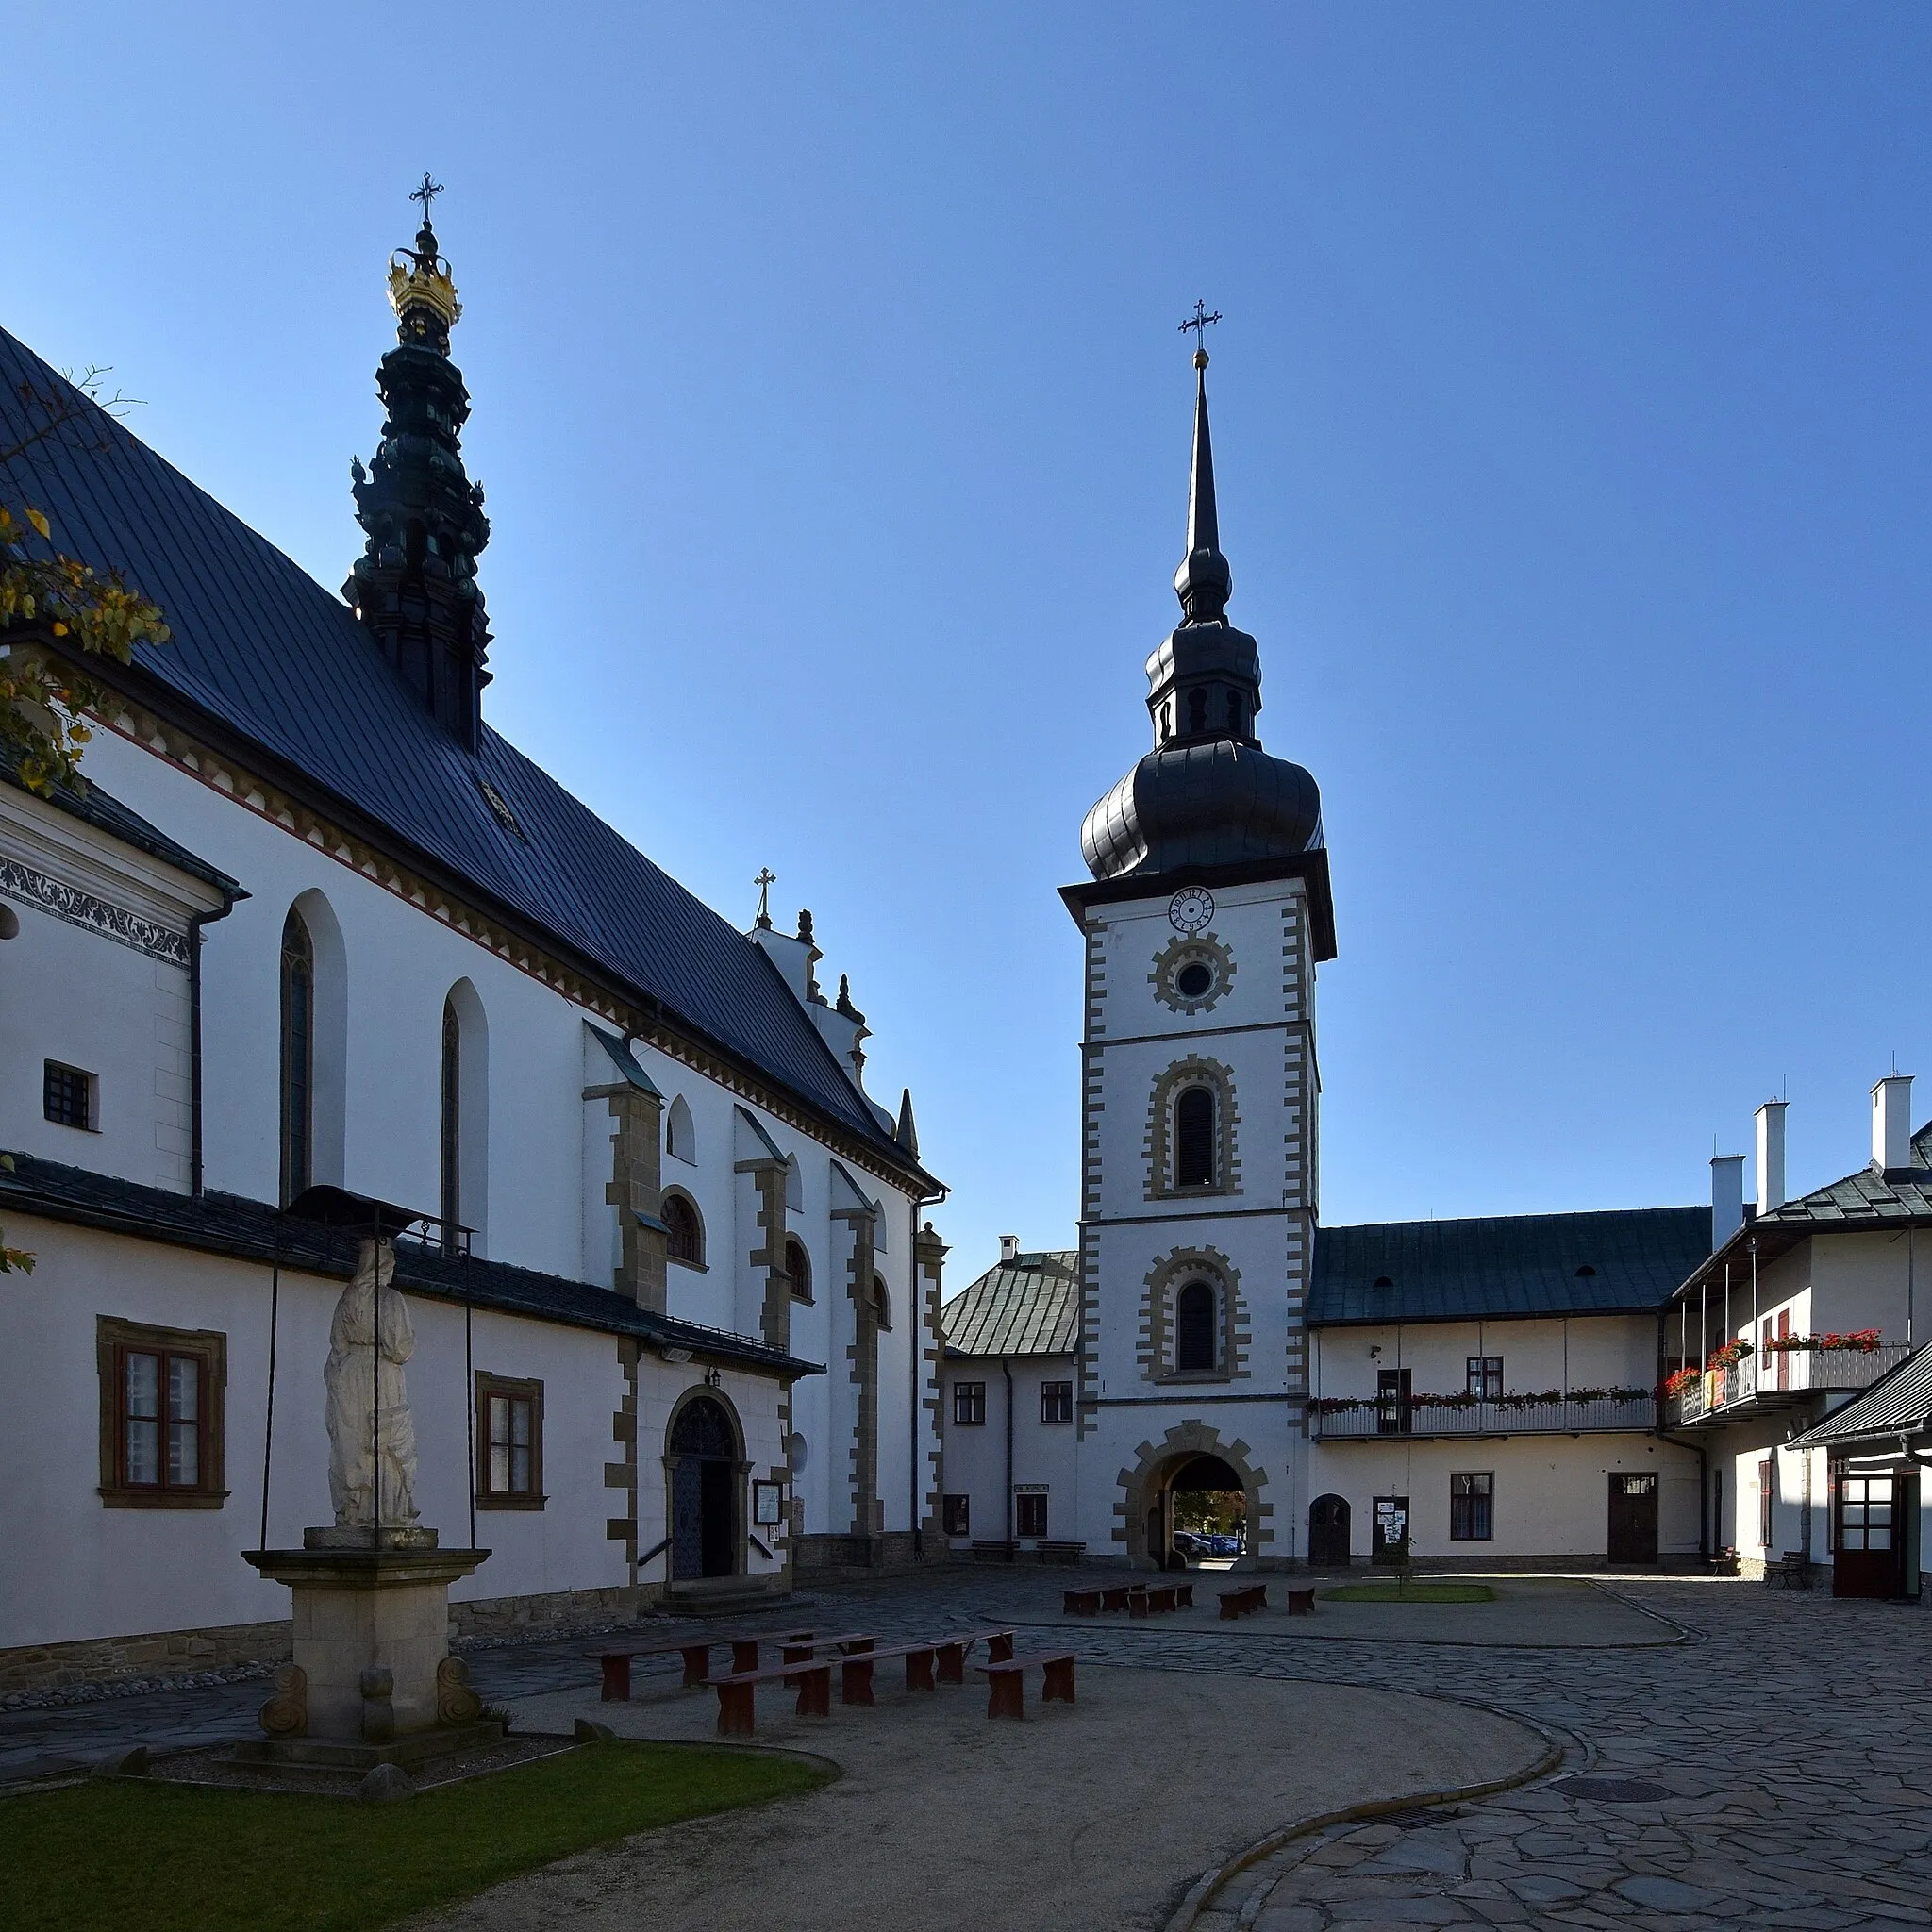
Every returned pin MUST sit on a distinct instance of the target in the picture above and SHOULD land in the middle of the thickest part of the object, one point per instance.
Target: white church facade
(315, 924)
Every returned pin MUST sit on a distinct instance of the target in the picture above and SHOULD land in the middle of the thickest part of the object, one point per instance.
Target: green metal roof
(1503, 1265)
(1027, 1306)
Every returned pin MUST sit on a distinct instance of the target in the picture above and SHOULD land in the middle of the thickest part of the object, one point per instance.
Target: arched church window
(298, 1056)
(798, 1266)
(680, 1138)
(452, 1123)
(881, 1301)
(1194, 1138)
(1194, 1328)
(1197, 711)
(685, 1233)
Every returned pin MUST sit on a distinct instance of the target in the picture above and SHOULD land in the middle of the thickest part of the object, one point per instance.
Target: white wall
(974, 1455)
(1538, 1352)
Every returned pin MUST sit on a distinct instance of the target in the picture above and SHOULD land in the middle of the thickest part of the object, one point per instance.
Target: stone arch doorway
(1207, 1504)
(1328, 1533)
(1192, 1458)
(704, 1463)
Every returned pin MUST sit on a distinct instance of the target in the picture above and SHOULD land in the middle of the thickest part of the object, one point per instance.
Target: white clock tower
(1207, 913)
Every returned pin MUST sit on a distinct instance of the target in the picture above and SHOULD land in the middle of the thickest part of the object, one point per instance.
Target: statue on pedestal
(369, 1420)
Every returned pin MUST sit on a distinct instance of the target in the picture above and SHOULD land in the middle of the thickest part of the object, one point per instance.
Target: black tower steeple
(415, 586)
(1207, 796)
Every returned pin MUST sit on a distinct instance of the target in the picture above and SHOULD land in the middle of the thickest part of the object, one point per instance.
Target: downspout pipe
(915, 1317)
(1009, 1374)
(195, 923)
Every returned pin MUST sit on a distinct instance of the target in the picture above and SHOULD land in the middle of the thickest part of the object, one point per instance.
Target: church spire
(415, 585)
(1203, 582)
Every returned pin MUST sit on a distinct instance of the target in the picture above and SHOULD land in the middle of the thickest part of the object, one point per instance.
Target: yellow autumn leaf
(39, 521)
(60, 630)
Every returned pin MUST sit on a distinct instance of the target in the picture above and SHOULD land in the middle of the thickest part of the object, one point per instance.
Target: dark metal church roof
(1625, 1261)
(262, 647)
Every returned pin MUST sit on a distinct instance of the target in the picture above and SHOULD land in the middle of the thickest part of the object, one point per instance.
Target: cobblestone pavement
(1791, 1736)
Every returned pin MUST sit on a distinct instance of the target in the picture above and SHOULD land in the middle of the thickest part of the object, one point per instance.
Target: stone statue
(361, 1377)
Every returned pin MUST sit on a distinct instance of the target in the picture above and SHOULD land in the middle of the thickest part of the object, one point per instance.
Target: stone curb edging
(1210, 1882)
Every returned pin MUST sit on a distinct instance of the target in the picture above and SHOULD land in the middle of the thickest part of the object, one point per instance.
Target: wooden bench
(1114, 1596)
(1081, 1603)
(1005, 1681)
(855, 1667)
(1301, 1603)
(951, 1651)
(1241, 1603)
(1059, 1553)
(736, 1708)
(615, 1659)
(1792, 1571)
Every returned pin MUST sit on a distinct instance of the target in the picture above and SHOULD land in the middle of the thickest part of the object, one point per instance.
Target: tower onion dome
(1207, 794)
(414, 586)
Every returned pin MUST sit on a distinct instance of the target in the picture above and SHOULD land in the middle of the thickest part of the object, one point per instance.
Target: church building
(314, 922)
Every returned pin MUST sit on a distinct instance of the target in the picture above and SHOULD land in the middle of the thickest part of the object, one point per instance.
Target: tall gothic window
(452, 1124)
(1194, 1138)
(298, 1056)
(685, 1236)
(798, 1266)
(1194, 1328)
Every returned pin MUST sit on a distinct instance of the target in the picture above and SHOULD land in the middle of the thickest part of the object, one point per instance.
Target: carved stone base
(298, 1759)
(370, 1644)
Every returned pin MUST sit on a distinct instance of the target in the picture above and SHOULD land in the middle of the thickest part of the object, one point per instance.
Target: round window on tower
(1192, 973)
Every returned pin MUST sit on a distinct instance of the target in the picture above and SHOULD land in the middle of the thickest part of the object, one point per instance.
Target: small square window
(1470, 1507)
(1029, 1515)
(1485, 1377)
(969, 1403)
(1055, 1401)
(67, 1096)
(510, 1443)
(957, 1515)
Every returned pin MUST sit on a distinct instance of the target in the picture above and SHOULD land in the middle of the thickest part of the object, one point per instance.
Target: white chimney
(1891, 1122)
(1009, 1248)
(1770, 1156)
(1727, 1198)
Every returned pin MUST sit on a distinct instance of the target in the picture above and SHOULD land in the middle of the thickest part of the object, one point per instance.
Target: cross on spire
(1199, 322)
(430, 188)
(766, 879)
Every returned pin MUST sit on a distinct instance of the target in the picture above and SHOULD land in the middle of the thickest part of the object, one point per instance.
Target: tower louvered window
(1194, 1138)
(1193, 1329)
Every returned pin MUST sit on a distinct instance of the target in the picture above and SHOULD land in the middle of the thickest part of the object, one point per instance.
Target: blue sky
(1572, 421)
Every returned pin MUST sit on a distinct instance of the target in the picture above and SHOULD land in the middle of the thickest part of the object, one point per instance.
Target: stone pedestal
(372, 1681)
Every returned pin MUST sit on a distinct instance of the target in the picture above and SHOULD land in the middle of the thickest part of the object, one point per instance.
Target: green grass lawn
(168, 1857)
(1401, 1591)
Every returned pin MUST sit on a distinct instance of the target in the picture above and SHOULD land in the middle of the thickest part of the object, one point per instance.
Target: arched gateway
(703, 1462)
(1191, 1461)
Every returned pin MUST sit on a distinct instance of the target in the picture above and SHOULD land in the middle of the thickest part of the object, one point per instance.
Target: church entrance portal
(1328, 1533)
(1204, 1512)
(704, 1490)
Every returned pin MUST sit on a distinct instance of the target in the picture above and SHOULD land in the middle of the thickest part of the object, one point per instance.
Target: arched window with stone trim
(298, 1056)
(684, 1230)
(881, 1302)
(1196, 1326)
(1195, 1138)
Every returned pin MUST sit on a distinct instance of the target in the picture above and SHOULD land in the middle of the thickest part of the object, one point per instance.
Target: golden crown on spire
(420, 281)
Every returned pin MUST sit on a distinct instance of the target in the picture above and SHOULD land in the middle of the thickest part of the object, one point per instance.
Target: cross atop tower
(766, 879)
(1199, 322)
(430, 188)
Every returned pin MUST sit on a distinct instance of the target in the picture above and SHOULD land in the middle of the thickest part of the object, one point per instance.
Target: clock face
(1190, 909)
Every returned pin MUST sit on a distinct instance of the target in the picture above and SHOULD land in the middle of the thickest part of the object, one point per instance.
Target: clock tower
(1207, 913)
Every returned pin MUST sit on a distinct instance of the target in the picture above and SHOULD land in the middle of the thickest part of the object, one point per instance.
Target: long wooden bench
(1005, 1681)
(1081, 1603)
(615, 1659)
(855, 1668)
(736, 1706)
(951, 1651)
(1241, 1603)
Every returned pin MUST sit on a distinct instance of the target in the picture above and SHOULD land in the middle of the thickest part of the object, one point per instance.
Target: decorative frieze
(91, 914)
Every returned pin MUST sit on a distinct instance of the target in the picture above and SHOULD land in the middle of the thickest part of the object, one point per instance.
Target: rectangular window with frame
(1055, 1401)
(1764, 1488)
(957, 1515)
(969, 1403)
(1485, 1377)
(67, 1097)
(1029, 1515)
(1471, 1509)
(509, 1442)
(161, 1393)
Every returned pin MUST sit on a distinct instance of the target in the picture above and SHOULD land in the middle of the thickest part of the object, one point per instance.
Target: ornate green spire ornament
(415, 584)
